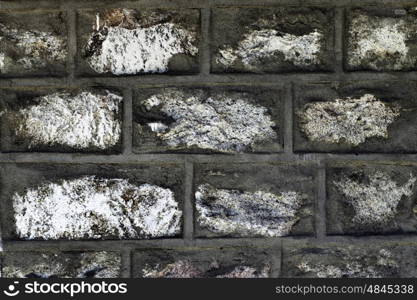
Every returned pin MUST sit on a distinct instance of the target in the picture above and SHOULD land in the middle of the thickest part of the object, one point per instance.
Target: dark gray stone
(352, 261)
(61, 264)
(381, 39)
(270, 40)
(379, 118)
(33, 43)
(248, 200)
(204, 263)
(369, 198)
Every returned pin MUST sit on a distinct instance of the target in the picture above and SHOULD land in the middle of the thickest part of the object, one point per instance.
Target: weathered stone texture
(92, 202)
(33, 43)
(228, 120)
(128, 41)
(271, 40)
(371, 198)
(381, 39)
(184, 139)
(61, 264)
(204, 263)
(351, 261)
(87, 120)
(356, 117)
(254, 200)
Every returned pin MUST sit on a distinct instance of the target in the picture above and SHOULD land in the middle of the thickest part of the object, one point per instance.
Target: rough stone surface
(254, 200)
(90, 206)
(248, 213)
(271, 39)
(197, 120)
(349, 120)
(238, 136)
(61, 121)
(361, 261)
(368, 116)
(87, 202)
(61, 265)
(371, 199)
(128, 41)
(33, 43)
(204, 263)
(381, 39)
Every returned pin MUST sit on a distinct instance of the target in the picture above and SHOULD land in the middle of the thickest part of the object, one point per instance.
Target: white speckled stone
(91, 207)
(81, 121)
(351, 120)
(375, 203)
(226, 123)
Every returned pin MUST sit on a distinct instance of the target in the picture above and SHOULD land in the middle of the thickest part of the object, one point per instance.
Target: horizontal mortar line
(353, 239)
(143, 81)
(71, 158)
(193, 3)
(117, 245)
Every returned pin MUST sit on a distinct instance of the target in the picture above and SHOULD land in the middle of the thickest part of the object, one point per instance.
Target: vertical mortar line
(276, 259)
(339, 39)
(72, 43)
(126, 264)
(127, 121)
(188, 233)
(205, 64)
(288, 95)
(281, 257)
(321, 202)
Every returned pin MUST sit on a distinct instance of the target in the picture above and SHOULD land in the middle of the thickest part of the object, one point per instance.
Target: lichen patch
(186, 269)
(380, 43)
(91, 207)
(226, 123)
(37, 47)
(100, 264)
(351, 120)
(247, 213)
(353, 266)
(257, 45)
(81, 121)
(122, 45)
(178, 269)
(375, 201)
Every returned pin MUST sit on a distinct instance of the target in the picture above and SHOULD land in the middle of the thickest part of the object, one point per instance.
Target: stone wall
(208, 138)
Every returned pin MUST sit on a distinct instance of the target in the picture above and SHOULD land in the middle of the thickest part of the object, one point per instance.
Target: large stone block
(61, 264)
(74, 201)
(61, 120)
(381, 39)
(248, 200)
(358, 117)
(33, 43)
(217, 119)
(371, 198)
(129, 41)
(270, 40)
(204, 263)
(352, 261)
